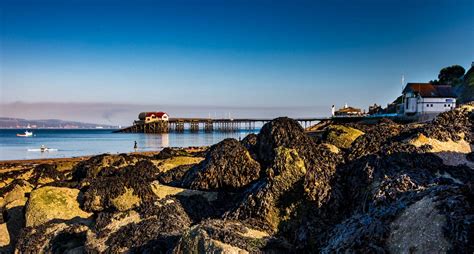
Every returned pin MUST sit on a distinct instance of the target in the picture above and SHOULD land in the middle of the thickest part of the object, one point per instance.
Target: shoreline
(9, 165)
(14, 165)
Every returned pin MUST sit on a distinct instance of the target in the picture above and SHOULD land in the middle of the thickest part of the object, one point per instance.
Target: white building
(426, 99)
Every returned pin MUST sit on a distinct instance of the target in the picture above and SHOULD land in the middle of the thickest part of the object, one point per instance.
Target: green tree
(451, 75)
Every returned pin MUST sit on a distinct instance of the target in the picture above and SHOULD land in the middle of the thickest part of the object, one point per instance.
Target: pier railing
(207, 124)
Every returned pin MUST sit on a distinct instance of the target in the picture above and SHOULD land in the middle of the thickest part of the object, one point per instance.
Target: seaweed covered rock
(92, 167)
(319, 161)
(121, 189)
(178, 161)
(374, 140)
(174, 176)
(46, 173)
(223, 236)
(53, 203)
(53, 237)
(228, 166)
(341, 136)
(263, 204)
(198, 204)
(14, 192)
(283, 132)
(434, 220)
(250, 143)
(452, 125)
(168, 153)
(12, 201)
(151, 228)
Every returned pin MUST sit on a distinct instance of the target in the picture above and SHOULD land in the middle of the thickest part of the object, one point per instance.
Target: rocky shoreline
(383, 188)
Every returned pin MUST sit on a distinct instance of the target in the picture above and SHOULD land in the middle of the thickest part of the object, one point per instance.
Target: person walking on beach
(135, 147)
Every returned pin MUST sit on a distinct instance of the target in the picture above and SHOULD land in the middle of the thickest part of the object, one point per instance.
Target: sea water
(78, 142)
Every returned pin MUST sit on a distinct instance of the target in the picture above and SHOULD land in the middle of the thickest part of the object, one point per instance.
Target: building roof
(348, 109)
(430, 90)
(143, 115)
(157, 114)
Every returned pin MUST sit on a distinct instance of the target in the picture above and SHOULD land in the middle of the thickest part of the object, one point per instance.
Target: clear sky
(277, 57)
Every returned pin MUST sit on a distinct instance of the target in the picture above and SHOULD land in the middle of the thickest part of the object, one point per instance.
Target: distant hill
(466, 88)
(9, 123)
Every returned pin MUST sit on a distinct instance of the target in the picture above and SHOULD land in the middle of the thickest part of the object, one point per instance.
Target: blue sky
(225, 54)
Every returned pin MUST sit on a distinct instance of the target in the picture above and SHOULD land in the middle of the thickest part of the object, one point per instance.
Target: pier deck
(208, 124)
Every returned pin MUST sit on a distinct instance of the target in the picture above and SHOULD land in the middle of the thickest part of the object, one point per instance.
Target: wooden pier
(207, 125)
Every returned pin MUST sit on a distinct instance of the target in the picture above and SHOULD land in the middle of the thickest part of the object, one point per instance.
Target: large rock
(53, 203)
(283, 132)
(263, 204)
(121, 189)
(341, 136)
(231, 237)
(151, 228)
(92, 167)
(434, 220)
(228, 166)
(53, 237)
(419, 229)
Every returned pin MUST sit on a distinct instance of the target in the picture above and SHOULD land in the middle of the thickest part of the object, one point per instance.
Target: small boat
(43, 149)
(26, 134)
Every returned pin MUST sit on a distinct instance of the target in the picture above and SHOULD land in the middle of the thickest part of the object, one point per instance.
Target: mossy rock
(53, 203)
(170, 163)
(126, 201)
(341, 136)
(222, 236)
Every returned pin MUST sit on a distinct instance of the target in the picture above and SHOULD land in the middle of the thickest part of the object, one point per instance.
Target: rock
(222, 236)
(341, 136)
(169, 153)
(46, 173)
(443, 211)
(262, 204)
(11, 206)
(16, 190)
(419, 229)
(228, 167)
(250, 143)
(154, 227)
(452, 152)
(318, 160)
(52, 237)
(92, 167)
(53, 203)
(198, 205)
(174, 176)
(121, 189)
(4, 236)
(178, 161)
(449, 125)
(332, 148)
(470, 156)
(163, 191)
(284, 132)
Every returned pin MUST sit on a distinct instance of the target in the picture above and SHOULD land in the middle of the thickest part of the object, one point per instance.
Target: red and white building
(149, 117)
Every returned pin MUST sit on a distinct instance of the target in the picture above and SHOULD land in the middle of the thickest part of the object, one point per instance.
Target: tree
(451, 75)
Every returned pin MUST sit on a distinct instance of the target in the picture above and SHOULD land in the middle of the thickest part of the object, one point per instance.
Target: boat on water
(26, 134)
(42, 149)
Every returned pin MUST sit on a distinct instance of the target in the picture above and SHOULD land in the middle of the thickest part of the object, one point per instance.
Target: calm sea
(72, 143)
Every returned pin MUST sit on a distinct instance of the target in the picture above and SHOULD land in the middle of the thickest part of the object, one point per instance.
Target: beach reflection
(155, 141)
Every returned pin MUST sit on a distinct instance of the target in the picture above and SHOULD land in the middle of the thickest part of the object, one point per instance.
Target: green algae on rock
(53, 203)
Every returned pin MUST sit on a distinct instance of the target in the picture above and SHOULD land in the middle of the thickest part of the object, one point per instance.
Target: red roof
(430, 90)
(157, 114)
